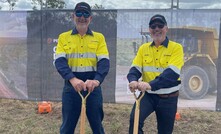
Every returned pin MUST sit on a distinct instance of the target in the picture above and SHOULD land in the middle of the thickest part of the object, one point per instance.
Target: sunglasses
(154, 26)
(80, 14)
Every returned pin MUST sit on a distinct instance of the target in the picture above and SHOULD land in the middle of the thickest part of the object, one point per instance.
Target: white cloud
(213, 6)
(23, 4)
(129, 4)
(4, 6)
(134, 4)
(19, 5)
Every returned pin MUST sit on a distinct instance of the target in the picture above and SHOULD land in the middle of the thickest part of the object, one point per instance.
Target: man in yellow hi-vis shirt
(159, 63)
(82, 59)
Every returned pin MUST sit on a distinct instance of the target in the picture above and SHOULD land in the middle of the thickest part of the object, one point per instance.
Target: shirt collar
(75, 31)
(164, 43)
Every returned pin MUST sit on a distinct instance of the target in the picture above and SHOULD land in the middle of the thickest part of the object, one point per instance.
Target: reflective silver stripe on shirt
(165, 90)
(175, 69)
(138, 68)
(149, 69)
(60, 55)
(153, 69)
(81, 55)
(83, 69)
(102, 56)
(157, 69)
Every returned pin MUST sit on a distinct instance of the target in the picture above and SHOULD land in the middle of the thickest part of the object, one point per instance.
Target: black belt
(173, 94)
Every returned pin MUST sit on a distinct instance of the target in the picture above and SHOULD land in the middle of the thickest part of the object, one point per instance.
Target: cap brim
(82, 10)
(157, 20)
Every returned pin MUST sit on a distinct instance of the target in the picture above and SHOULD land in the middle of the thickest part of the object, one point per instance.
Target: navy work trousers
(165, 110)
(71, 109)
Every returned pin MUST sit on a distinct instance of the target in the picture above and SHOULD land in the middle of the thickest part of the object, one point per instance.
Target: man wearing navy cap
(82, 6)
(82, 59)
(159, 64)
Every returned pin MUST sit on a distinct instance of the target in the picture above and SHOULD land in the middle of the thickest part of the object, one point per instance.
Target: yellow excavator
(200, 44)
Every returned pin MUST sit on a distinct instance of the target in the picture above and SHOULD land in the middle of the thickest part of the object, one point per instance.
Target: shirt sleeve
(103, 64)
(61, 62)
(134, 74)
(63, 69)
(102, 69)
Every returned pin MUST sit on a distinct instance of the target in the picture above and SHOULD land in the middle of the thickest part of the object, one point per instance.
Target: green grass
(21, 117)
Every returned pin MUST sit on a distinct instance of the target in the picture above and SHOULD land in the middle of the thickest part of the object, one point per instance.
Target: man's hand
(91, 84)
(143, 86)
(133, 85)
(77, 84)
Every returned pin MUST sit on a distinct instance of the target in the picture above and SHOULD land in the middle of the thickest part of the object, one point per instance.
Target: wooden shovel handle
(137, 112)
(83, 112)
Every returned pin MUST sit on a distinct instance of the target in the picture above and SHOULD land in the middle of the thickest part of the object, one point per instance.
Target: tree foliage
(96, 6)
(49, 4)
(44, 4)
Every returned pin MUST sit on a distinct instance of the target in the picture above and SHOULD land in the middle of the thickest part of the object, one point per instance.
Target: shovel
(137, 112)
(83, 112)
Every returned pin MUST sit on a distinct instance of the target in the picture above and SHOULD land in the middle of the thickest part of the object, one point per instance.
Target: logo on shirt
(94, 41)
(167, 54)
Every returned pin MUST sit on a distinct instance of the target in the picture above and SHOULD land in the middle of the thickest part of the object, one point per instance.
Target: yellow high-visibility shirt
(82, 52)
(152, 61)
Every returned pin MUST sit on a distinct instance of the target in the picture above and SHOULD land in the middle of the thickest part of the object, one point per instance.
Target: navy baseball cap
(158, 18)
(83, 6)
